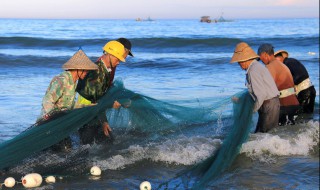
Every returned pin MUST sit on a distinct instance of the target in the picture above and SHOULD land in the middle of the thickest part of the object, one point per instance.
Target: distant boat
(221, 19)
(205, 19)
(208, 20)
(148, 19)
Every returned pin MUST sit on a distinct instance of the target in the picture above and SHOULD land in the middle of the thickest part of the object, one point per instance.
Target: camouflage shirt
(96, 83)
(60, 94)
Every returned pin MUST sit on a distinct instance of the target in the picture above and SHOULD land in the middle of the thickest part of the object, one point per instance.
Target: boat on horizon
(220, 19)
(147, 19)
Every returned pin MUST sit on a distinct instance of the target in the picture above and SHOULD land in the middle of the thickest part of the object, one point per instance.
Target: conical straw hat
(284, 53)
(243, 52)
(79, 61)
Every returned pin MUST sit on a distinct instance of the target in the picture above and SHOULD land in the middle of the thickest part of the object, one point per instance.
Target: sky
(158, 9)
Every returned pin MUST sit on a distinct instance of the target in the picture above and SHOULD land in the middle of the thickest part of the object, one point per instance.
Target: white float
(146, 185)
(95, 170)
(31, 180)
(9, 182)
(50, 179)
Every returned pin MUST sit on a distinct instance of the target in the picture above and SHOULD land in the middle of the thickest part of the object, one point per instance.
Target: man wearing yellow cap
(261, 87)
(305, 91)
(94, 86)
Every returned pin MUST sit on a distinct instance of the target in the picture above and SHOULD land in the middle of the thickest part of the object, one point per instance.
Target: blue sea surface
(183, 62)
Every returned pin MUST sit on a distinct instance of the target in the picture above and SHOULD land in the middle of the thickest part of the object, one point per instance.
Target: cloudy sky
(158, 9)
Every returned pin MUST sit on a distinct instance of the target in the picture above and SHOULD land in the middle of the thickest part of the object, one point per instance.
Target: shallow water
(179, 61)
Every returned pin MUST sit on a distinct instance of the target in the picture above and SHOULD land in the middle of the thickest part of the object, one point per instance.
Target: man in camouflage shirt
(60, 94)
(95, 85)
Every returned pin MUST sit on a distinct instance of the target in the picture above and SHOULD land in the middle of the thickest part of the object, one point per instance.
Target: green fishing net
(140, 114)
(212, 167)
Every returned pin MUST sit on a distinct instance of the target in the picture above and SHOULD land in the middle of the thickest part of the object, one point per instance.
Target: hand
(116, 105)
(46, 117)
(126, 104)
(106, 129)
(235, 99)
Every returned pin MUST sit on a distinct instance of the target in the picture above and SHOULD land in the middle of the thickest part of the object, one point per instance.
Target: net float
(146, 185)
(9, 182)
(50, 179)
(95, 170)
(32, 180)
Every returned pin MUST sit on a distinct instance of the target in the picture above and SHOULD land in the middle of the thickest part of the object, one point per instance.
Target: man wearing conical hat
(261, 87)
(305, 91)
(289, 104)
(60, 94)
(96, 84)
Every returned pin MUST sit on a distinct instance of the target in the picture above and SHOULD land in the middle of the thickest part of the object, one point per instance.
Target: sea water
(178, 61)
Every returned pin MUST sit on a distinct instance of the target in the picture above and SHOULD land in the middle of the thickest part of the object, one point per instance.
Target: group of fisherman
(281, 89)
(88, 82)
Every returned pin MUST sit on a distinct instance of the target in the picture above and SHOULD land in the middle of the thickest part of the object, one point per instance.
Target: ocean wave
(182, 150)
(55, 58)
(30, 42)
(180, 44)
(300, 141)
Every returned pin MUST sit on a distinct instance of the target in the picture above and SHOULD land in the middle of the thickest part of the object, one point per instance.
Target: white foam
(182, 150)
(263, 145)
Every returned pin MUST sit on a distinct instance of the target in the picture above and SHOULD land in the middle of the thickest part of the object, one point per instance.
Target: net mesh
(141, 114)
(199, 175)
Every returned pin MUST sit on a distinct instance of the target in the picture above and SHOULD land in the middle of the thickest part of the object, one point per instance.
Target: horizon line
(154, 18)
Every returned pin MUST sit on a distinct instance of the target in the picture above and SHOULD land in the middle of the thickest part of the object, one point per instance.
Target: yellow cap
(116, 49)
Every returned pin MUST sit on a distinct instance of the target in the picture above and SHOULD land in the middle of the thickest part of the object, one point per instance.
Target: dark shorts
(287, 114)
(268, 115)
(91, 133)
(306, 99)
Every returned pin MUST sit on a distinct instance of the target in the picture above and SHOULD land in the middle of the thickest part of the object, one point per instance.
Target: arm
(257, 89)
(53, 94)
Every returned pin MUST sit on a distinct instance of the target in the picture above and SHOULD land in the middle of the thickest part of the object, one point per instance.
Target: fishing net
(209, 169)
(143, 114)
(140, 114)
(225, 155)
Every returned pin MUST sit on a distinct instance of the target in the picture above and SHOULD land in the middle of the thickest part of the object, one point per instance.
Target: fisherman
(60, 95)
(261, 87)
(95, 85)
(305, 91)
(289, 104)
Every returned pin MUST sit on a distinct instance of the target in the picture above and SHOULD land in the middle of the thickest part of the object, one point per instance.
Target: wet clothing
(60, 94)
(92, 88)
(268, 115)
(264, 92)
(59, 97)
(307, 98)
(304, 89)
(289, 104)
